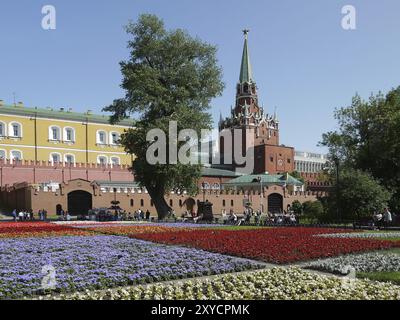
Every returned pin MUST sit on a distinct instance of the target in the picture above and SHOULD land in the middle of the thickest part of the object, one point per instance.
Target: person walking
(21, 216)
(14, 215)
(377, 220)
(387, 218)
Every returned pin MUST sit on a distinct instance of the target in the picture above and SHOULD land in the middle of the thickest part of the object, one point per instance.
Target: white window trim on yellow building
(98, 141)
(51, 133)
(102, 156)
(118, 160)
(15, 150)
(34, 143)
(4, 127)
(62, 149)
(51, 157)
(11, 129)
(71, 155)
(111, 140)
(70, 121)
(65, 134)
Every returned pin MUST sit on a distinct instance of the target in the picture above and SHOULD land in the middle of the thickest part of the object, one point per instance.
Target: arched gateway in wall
(79, 202)
(275, 203)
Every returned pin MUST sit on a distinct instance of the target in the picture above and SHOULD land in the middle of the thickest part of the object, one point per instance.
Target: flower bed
(179, 225)
(363, 235)
(369, 262)
(273, 284)
(279, 245)
(100, 262)
(132, 230)
(37, 229)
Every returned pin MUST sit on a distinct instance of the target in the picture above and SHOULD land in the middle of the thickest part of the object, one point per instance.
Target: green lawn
(380, 231)
(392, 250)
(393, 277)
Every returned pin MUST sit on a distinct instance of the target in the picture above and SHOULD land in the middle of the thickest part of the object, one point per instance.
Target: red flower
(37, 229)
(278, 245)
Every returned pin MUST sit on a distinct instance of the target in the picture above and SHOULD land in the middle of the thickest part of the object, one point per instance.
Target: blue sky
(304, 63)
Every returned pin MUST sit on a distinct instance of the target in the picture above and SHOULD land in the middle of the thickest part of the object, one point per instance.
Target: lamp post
(261, 194)
(336, 161)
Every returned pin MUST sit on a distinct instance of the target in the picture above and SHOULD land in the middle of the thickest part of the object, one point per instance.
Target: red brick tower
(248, 114)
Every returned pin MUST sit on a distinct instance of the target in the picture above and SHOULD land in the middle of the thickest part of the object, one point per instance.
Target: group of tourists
(28, 215)
(384, 219)
(64, 215)
(282, 218)
(138, 215)
(192, 216)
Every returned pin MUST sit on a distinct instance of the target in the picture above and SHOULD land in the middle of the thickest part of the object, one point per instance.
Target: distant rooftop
(310, 155)
(60, 113)
(266, 179)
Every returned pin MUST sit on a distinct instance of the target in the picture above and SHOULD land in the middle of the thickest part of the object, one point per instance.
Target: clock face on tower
(280, 162)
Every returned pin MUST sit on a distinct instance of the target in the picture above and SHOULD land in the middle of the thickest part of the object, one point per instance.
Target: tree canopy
(368, 140)
(170, 76)
(360, 196)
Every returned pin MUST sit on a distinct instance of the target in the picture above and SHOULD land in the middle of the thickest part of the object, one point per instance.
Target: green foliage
(360, 195)
(313, 210)
(297, 207)
(392, 276)
(169, 76)
(368, 139)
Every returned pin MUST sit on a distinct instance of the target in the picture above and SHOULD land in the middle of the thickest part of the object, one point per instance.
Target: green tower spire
(246, 74)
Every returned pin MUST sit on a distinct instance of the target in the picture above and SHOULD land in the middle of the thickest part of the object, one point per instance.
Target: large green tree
(170, 76)
(360, 196)
(368, 139)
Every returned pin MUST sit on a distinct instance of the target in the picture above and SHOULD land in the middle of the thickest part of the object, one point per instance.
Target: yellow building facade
(60, 136)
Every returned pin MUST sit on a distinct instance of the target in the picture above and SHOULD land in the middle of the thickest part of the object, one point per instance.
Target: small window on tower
(272, 159)
(288, 160)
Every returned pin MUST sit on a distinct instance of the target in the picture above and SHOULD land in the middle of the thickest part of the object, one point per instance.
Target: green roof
(246, 73)
(267, 179)
(214, 172)
(59, 114)
(124, 184)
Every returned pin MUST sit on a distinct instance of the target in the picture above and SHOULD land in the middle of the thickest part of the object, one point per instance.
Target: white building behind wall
(309, 162)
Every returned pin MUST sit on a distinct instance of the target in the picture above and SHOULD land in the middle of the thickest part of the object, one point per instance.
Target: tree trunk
(159, 202)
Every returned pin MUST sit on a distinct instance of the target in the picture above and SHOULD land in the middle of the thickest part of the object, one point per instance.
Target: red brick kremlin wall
(42, 171)
(24, 196)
